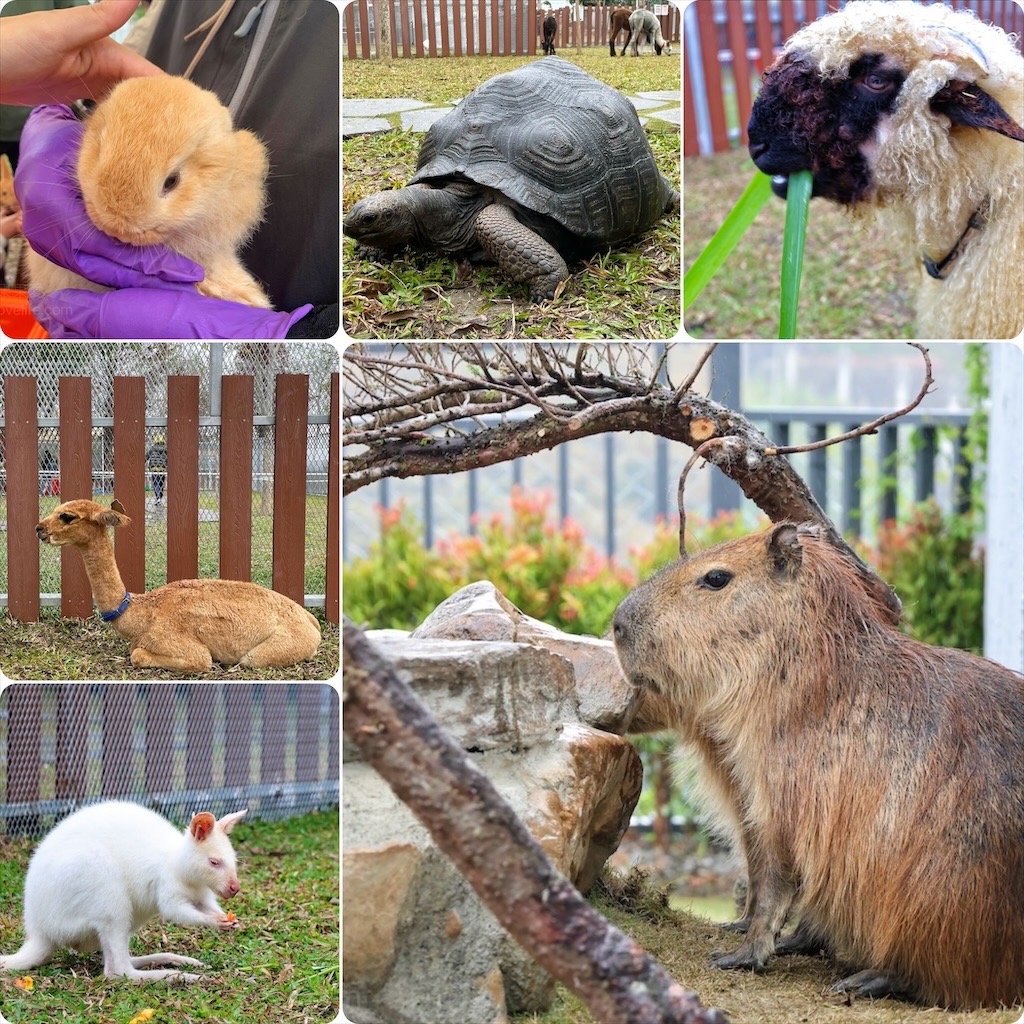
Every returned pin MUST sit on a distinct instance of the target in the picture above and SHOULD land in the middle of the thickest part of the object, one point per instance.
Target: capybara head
(743, 613)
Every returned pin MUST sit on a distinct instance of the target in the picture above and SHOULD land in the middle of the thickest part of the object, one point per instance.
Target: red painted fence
(236, 485)
(457, 28)
(721, 91)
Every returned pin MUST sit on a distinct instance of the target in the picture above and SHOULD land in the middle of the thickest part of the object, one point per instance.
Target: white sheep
(916, 111)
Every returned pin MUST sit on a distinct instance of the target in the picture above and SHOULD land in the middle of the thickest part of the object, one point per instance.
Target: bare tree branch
(479, 832)
(872, 427)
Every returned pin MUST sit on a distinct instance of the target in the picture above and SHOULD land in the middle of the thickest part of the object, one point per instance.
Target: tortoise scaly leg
(520, 253)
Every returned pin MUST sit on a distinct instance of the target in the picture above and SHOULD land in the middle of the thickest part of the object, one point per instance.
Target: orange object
(16, 319)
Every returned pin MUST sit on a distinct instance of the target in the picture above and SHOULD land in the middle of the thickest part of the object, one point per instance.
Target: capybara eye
(716, 579)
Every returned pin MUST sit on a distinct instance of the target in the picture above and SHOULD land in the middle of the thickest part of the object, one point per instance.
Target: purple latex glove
(170, 311)
(55, 221)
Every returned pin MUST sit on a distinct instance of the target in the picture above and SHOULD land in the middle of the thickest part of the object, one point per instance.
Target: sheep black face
(801, 121)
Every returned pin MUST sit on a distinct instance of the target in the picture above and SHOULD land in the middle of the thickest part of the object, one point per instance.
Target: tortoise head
(384, 220)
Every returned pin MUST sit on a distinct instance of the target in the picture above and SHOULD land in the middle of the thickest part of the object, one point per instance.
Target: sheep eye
(876, 83)
(171, 182)
(716, 579)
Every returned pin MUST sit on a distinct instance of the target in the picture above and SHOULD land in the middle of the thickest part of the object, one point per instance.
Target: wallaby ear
(966, 104)
(229, 821)
(202, 825)
(784, 550)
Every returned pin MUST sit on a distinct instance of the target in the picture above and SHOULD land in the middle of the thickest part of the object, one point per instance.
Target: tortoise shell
(556, 141)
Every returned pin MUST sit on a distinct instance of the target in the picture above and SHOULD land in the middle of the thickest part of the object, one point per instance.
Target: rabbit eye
(171, 182)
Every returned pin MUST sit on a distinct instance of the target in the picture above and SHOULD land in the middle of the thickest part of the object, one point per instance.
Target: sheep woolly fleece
(932, 176)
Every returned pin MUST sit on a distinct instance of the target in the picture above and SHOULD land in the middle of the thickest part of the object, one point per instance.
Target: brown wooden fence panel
(406, 29)
(364, 23)
(182, 495)
(712, 76)
(118, 716)
(159, 770)
(23, 745)
(236, 405)
(72, 714)
(75, 396)
(130, 478)
(333, 592)
(199, 737)
(290, 439)
(274, 733)
(307, 735)
(418, 12)
(445, 49)
(507, 29)
(238, 734)
(21, 458)
(350, 30)
(531, 19)
(457, 19)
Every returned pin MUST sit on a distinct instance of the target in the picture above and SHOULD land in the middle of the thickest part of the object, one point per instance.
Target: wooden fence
(457, 28)
(719, 88)
(181, 747)
(21, 446)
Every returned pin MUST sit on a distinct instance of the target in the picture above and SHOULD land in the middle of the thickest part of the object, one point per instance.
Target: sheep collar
(940, 271)
(119, 610)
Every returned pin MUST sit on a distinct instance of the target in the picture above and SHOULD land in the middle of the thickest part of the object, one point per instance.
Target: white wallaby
(109, 868)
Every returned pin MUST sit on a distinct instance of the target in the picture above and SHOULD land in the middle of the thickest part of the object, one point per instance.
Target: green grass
(629, 292)
(57, 648)
(856, 283)
(281, 965)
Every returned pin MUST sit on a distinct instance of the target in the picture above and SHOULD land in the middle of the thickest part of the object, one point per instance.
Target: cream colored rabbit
(161, 165)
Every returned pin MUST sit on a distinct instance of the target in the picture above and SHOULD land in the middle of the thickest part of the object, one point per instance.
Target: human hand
(10, 224)
(59, 56)
(169, 311)
(55, 220)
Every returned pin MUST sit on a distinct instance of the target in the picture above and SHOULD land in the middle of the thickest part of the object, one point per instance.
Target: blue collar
(118, 611)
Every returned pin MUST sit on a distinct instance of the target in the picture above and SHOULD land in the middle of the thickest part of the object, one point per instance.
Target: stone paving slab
(666, 95)
(642, 104)
(421, 120)
(672, 116)
(363, 126)
(374, 108)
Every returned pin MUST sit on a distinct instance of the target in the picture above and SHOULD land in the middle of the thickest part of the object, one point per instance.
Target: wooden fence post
(22, 462)
(236, 478)
(130, 478)
(291, 417)
(182, 478)
(75, 396)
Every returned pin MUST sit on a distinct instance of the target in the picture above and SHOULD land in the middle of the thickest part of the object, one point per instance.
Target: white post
(1004, 510)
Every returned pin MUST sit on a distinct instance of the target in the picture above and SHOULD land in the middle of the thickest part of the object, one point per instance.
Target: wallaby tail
(33, 952)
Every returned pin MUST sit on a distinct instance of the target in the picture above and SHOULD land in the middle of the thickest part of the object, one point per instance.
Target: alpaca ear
(964, 103)
(115, 516)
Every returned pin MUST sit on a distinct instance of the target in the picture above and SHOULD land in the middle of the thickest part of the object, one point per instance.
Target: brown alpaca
(872, 783)
(188, 625)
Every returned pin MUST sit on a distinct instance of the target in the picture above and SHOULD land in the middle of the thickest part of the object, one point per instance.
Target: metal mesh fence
(155, 361)
(178, 748)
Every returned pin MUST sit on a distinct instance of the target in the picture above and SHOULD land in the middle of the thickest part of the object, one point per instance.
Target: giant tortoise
(536, 166)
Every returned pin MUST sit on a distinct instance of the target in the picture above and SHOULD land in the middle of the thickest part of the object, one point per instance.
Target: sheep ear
(964, 103)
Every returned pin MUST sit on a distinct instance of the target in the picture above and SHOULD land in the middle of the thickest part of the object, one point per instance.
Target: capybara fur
(873, 784)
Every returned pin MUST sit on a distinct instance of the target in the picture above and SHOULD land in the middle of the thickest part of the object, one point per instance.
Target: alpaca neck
(107, 587)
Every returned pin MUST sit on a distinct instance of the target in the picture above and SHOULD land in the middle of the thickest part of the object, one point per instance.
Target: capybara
(873, 784)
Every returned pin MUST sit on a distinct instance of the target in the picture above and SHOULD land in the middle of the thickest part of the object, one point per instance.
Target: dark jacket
(282, 81)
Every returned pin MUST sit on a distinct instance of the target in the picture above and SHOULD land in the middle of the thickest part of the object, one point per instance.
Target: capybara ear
(784, 549)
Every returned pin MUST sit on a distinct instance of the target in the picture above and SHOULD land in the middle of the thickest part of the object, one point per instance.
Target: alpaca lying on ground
(917, 110)
(188, 625)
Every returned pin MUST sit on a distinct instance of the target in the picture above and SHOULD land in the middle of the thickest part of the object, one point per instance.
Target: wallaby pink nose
(231, 888)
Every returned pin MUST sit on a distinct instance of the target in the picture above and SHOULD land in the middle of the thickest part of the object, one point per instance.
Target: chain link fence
(175, 747)
(156, 361)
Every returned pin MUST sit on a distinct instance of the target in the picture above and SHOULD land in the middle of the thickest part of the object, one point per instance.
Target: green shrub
(938, 573)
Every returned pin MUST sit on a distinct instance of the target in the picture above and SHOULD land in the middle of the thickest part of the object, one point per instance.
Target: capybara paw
(741, 926)
(741, 960)
(872, 985)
